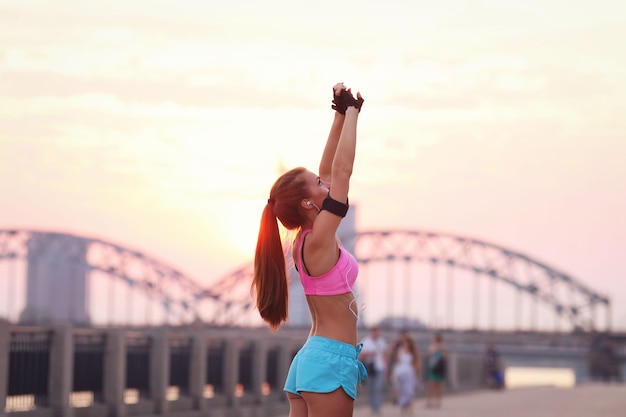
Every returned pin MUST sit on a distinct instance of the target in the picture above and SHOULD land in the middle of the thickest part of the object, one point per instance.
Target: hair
(270, 268)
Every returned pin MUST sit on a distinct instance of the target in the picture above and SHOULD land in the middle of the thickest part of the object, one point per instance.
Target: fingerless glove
(338, 104)
(349, 101)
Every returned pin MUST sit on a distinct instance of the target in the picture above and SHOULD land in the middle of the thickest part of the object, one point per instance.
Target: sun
(240, 224)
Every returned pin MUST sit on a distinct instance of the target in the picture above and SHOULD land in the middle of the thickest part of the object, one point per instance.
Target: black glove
(349, 101)
(338, 104)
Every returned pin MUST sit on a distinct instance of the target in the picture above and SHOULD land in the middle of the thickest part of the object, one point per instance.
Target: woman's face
(317, 189)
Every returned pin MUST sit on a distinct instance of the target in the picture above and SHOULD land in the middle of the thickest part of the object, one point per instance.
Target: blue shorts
(323, 365)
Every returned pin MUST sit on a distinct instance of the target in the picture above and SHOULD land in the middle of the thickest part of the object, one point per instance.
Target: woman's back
(332, 317)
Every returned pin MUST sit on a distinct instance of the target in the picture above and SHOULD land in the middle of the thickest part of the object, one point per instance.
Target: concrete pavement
(594, 400)
(588, 400)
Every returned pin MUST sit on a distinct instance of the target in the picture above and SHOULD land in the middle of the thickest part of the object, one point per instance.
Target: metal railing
(79, 372)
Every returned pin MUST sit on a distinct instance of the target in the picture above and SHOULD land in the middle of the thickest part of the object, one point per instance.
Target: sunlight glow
(240, 227)
(517, 377)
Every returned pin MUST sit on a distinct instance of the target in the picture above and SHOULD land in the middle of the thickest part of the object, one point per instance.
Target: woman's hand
(348, 99)
(338, 104)
(337, 88)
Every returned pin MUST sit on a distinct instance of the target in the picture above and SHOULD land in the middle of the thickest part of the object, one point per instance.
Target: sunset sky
(161, 125)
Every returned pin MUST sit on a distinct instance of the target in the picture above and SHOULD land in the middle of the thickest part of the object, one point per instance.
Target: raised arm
(326, 163)
(323, 235)
(343, 161)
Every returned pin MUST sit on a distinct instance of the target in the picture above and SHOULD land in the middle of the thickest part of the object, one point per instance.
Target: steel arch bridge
(401, 257)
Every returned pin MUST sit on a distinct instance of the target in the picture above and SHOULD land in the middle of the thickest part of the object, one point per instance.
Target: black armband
(335, 207)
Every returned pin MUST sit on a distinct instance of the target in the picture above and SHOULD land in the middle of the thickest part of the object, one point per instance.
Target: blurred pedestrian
(405, 362)
(493, 367)
(374, 356)
(437, 364)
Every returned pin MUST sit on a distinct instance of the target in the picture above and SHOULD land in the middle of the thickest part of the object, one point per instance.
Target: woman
(324, 375)
(404, 375)
(437, 359)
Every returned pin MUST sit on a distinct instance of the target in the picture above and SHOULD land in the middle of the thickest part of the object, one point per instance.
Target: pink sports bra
(339, 280)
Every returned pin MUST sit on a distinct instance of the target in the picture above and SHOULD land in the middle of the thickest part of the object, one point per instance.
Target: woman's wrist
(351, 110)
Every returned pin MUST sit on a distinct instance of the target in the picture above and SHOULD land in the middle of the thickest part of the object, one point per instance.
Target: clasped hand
(343, 98)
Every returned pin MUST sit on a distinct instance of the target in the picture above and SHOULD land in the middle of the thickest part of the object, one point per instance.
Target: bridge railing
(64, 371)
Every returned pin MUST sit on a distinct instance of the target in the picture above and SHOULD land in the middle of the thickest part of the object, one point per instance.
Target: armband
(335, 207)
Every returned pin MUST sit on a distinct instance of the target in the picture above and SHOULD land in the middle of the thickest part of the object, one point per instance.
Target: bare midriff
(334, 316)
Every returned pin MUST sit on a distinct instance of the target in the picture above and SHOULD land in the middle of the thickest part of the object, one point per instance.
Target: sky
(161, 126)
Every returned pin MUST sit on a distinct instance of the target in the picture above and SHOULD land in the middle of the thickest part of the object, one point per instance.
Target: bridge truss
(474, 262)
(430, 276)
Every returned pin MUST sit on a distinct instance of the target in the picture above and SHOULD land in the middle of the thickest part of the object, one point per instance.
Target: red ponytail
(270, 270)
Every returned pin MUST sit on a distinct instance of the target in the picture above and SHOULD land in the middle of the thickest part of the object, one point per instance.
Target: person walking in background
(374, 356)
(323, 377)
(405, 360)
(493, 367)
(437, 361)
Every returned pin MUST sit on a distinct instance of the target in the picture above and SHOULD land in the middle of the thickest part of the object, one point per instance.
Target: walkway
(593, 400)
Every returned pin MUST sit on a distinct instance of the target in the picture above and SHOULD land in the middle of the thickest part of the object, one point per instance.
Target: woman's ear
(309, 204)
